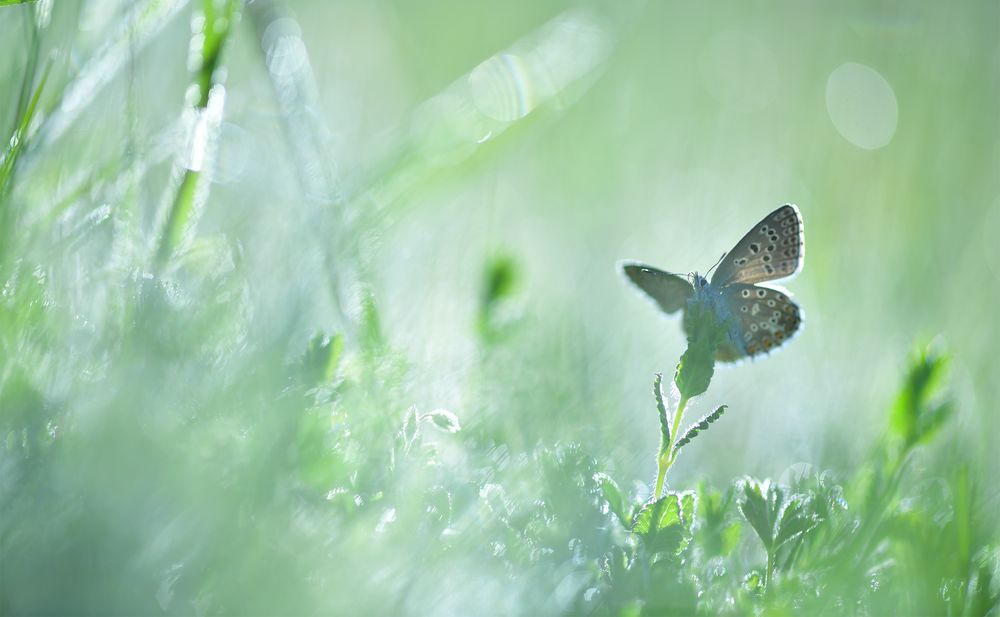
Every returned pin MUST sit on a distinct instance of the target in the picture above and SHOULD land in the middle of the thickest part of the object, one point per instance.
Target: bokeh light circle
(862, 105)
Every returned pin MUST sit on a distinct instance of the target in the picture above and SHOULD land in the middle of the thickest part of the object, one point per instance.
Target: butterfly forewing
(768, 317)
(670, 291)
(772, 249)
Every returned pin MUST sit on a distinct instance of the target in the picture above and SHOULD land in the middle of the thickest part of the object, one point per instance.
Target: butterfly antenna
(716, 265)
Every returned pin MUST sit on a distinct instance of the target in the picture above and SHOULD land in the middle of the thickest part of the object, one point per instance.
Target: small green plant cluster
(818, 544)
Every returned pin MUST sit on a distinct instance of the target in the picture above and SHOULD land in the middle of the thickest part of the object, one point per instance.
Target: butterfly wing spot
(762, 253)
(761, 314)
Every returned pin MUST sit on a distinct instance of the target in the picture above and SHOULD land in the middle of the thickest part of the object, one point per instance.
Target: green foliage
(917, 414)
(661, 409)
(697, 427)
(499, 283)
(705, 333)
(665, 525)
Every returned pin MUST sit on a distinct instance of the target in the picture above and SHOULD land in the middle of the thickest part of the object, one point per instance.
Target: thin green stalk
(666, 457)
(769, 571)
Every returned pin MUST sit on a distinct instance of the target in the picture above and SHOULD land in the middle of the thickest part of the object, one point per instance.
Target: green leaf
(758, 507)
(613, 496)
(796, 519)
(661, 409)
(697, 427)
(932, 420)
(499, 282)
(730, 538)
(913, 419)
(444, 420)
(411, 427)
(665, 524)
(705, 332)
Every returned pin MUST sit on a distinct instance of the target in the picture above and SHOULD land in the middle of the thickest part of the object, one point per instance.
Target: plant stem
(666, 458)
(769, 571)
(217, 23)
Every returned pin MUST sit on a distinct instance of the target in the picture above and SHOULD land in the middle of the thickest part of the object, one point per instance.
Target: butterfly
(759, 318)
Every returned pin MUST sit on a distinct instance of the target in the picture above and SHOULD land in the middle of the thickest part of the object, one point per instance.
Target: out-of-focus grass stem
(296, 94)
(212, 28)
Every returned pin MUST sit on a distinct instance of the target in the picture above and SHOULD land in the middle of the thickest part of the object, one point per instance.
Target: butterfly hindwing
(670, 291)
(772, 249)
(768, 317)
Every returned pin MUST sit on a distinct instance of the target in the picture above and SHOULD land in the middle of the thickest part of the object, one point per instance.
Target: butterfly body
(757, 318)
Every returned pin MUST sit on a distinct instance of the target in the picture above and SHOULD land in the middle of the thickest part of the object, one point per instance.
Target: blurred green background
(387, 205)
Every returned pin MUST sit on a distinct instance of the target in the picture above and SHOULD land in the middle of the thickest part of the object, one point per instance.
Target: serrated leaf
(665, 524)
(444, 420)
(757, 509)
(661, 408)
(795, 520)
(689, 502)
(699, 426)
